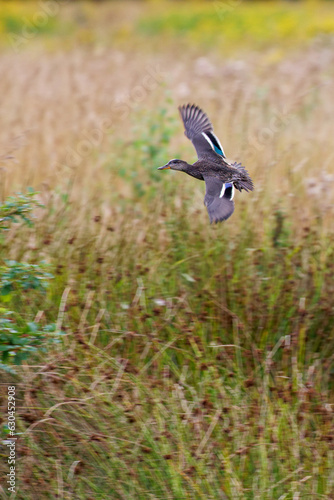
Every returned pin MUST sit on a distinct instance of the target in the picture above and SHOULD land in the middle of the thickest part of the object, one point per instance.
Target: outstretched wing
(218, 199)
(199, 130)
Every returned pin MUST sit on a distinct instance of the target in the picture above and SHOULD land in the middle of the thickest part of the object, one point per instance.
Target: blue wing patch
(229, 190)
(216, 144)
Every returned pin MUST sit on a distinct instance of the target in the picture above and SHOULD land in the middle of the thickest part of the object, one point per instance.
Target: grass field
(170, 359)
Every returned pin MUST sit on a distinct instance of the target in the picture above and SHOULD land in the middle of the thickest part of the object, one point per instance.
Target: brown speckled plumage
(212, 167)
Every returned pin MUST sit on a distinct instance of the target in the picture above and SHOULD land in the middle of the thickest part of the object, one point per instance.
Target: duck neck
(193, 171)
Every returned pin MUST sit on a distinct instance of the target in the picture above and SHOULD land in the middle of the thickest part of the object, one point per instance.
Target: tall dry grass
(198, 359)
(63, 113)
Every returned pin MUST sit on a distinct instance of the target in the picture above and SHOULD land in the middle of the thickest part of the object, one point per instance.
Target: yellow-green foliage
(28, 17)
(223, 25)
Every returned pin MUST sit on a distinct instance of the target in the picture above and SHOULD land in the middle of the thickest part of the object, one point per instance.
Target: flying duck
(220, 176)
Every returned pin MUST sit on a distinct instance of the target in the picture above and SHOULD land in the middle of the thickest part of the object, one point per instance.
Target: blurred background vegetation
(156, 356)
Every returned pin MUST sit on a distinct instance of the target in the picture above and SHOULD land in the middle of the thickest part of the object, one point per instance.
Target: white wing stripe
(221, 147)
(209, 141)
(222, 191)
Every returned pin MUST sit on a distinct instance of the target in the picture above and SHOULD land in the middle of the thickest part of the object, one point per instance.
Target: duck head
(175, 165)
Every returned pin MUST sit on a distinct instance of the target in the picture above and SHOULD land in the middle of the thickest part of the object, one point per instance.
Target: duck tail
(246, 184)
(244, 181)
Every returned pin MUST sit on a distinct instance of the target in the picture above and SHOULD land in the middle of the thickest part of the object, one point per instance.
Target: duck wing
(218, 198)
(199, 130)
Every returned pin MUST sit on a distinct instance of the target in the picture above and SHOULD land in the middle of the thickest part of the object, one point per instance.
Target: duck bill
(164, 167)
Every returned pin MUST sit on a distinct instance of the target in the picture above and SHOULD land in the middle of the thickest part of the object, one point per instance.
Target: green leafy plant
(18, 209)
(19, 341)
(20, 276)
(20, 338)
(149, 148)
